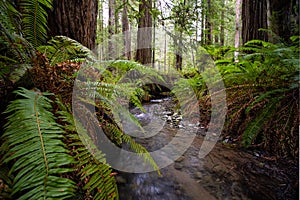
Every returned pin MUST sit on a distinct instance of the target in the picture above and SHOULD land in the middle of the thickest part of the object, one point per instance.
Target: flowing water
(223, 174)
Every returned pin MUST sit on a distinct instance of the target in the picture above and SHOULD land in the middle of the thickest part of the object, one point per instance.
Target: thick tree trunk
(254, 17)
(284, 18)
(126, 32)
(144, 35)
(75, 19)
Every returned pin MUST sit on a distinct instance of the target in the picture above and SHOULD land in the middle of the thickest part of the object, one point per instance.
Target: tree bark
(284, 18)
(237, 27)
(126, 32)
(254, 17)
(222, 27)
(111, 28)
(75, 19)
(208, 24)
(144, 35)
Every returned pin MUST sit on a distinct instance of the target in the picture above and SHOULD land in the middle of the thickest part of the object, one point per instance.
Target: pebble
(178, 166)
(198, 175)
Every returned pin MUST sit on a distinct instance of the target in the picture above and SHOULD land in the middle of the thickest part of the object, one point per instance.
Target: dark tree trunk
(254, 17)
(126, 32)
(179, 46)
(208, 25)
(75, 19)
(284, 18)
(144, 35)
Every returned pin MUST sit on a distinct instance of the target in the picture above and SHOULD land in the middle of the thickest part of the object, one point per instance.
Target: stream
(225, 173)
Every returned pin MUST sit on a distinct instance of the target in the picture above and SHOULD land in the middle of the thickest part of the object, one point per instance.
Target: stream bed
(225, 173)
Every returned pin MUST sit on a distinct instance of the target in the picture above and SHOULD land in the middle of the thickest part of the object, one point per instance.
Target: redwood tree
(144, 35)
(254, 18)
(280, 17)
(75, 19)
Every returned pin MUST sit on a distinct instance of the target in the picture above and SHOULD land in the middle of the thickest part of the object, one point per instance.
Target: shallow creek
(223, 174)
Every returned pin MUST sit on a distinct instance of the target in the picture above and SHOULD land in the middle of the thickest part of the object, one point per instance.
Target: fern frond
(62, 48)
(35, 20)
(257, 124)
(92, 166)
(34, 141)
(134, 146)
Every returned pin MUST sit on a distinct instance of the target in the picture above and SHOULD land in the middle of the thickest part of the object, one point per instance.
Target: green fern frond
(101, 183)
(270, 94)
(134, 146)
(34, 17)
(62, 48)
(257, 124)
(258, 43)
(9, 17)
(34, 141)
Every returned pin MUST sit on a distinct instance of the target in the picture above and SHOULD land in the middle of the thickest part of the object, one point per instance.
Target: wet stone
(178, 166)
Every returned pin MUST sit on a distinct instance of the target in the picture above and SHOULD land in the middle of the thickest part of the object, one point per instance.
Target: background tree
(75, 19)
(254, 18)
(126, 31)
(144, 34)
(279, 17)
(111, 28)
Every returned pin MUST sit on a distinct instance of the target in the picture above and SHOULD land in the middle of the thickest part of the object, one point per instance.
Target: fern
(16, 52)
(33, 140)
(34, 18)
(254, 127)
(92, 167)
(263, 79)
(62, 48)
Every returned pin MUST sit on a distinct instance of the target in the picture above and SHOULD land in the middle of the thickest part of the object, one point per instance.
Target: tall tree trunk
(254, 17)
(144, 35)
(284, 18)
(222, 27)
(153, 38)
(126, 32)
(75, 19)
(208, 24)
(203, 22)
(237, 27)
(111, 28)
(179, 45)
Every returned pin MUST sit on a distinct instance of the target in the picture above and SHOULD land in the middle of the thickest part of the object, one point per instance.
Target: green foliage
(261, 85)
(33, 141)
(34, 20)
(62, 48)
(92, 167)
(16, 53)
(112, 97)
